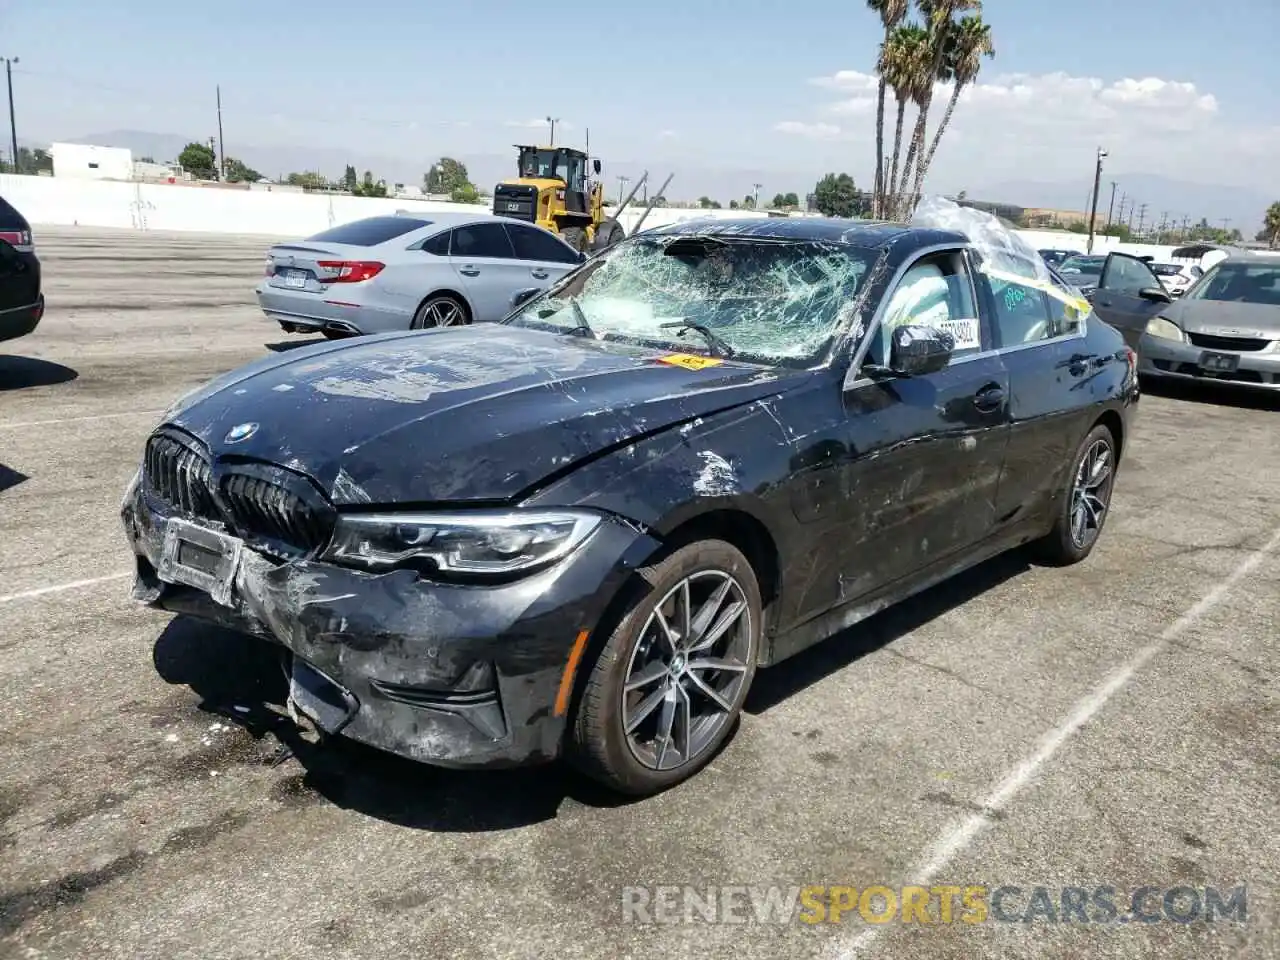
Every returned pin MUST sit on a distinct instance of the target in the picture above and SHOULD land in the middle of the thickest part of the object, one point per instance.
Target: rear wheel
(667, 688)
(608, 233)
(1086, 503)
(441, 310)
(575, 237)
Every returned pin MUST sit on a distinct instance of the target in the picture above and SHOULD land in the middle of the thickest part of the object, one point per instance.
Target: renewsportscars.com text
(937, 904)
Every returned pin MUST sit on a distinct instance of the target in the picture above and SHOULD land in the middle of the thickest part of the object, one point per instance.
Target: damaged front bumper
(452, 675)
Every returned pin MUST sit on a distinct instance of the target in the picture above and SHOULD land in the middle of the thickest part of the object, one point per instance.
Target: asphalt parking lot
(1113, 724)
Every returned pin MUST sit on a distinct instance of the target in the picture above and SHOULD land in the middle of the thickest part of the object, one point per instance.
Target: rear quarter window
(371, 231)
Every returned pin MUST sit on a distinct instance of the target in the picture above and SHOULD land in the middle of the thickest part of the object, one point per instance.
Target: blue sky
(704, 81)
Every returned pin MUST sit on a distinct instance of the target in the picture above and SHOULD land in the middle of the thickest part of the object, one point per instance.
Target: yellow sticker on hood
(689, 361)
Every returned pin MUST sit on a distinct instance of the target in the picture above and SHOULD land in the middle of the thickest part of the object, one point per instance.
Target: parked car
(1082, 272)
(580, 532)
(21, 300)
(1176, 277)
(408, 272)
(1054, 258)
(1225, 328)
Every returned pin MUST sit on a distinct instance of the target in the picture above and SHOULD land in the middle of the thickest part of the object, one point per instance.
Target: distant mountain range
(1244, 207)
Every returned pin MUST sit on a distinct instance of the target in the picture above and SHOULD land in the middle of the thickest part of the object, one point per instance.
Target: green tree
(748, 202)
(1271, 221)
(368, 187)
(734, 205)
(892, 13)
(901, 60)
(970, 42)
(238, 172)
(198, 160)
(791, 200)
(779, 201)
(349, 179)
(467, 193)
(309, 180)
(447, 175)
(836, 196)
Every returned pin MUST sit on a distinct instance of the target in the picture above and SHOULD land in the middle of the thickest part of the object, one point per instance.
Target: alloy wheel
(442, 313)
(1091, 493)
(687, 669)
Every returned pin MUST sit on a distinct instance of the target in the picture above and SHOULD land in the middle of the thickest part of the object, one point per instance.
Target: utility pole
(1093, 209)
(222, 147)
(1132, 205)
(755, 196)
(13, 127)
(1164, 220)
(1142, 218)
(622, 182)
(553, 122)
(1112, 209)
(1226, 222)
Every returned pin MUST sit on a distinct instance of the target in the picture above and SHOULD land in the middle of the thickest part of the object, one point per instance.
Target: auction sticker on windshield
(689, 361)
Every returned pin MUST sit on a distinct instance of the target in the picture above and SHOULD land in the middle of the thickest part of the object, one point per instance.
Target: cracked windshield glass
(767, 302)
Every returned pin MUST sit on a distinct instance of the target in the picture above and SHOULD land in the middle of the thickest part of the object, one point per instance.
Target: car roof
(11, 218)
(872, 234)
(448, 218)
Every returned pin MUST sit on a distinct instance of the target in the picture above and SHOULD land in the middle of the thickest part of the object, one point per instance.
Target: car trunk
(316, 267)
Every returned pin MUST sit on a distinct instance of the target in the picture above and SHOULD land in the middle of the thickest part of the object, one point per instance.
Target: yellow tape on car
(689, 361)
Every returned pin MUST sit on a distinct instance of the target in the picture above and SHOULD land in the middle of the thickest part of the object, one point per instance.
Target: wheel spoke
(646, 707)
(710, 693)
(716, 663)
(673, 640)
(653, 672)
(722, 625)
(665, 723)
(686, 721)
(708, 611)
(684, 606)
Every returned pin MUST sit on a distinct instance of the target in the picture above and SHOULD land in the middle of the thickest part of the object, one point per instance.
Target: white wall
(61, 201)
(88, 162)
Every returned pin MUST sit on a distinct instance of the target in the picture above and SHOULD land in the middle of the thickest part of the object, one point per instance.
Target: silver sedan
(408, 271)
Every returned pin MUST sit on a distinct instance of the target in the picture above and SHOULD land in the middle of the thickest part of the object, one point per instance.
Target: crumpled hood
(1225, 318)
(468, 413)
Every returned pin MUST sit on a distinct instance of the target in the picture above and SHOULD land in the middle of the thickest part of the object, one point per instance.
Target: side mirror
(595, 165)
(1155, 294)
(524, 296)
(917, 350)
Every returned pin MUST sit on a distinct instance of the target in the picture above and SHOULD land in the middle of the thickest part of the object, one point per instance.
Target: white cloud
(538, 124)
(667, 135)
(811, 131)
(1047, 126)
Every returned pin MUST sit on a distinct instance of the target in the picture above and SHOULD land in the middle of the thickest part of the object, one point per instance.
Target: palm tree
(892, 13)
(971, 42)
(900, 59)
(940, 23)
(1272, 223)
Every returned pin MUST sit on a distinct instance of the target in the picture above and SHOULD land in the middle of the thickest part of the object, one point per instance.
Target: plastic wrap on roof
(1003, 253)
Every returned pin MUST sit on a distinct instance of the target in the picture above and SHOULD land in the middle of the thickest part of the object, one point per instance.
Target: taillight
(18, 238)
(350, 271)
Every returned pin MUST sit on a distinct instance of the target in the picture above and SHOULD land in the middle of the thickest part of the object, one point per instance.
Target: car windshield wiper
(581, 327)
(718, 347)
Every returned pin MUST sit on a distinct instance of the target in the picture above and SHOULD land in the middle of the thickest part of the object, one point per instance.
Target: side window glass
(1066, 318)
(1127, 275)
(481, 240)
(1021, 312)
(534, 243)
(437, 245)
(935, 292)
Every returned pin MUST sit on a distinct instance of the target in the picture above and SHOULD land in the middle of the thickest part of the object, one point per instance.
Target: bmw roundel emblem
(241, 431)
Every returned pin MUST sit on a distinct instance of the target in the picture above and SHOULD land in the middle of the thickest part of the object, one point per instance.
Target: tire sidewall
(700, 556)
(1068, 547)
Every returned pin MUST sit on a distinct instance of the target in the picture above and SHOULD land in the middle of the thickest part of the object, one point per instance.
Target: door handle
(989, 397)
(469, 271)
(539, 274)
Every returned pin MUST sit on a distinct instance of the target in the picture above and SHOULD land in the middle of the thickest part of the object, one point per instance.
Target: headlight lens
(463, 543)
(1165, 329)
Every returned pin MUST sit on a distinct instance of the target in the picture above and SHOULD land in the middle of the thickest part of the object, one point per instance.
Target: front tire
(575, 237)
(441, 310)
(1086, 502)
(667, 687)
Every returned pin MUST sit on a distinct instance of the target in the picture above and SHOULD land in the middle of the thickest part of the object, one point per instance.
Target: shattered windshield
(752, 298)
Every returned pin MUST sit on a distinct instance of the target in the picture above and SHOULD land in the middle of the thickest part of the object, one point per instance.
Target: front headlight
(1165, 329)
(460, 543)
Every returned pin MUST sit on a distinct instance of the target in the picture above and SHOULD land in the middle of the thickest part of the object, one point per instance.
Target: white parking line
(949, 845)
(73, 585)
(97, 416)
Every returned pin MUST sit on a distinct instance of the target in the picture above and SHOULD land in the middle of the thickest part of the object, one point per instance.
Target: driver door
(1129, 294)
(926, 452)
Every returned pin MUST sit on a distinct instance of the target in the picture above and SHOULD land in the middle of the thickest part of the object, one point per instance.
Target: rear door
(547, 257)
(1041, 343)
(1120, 299)
(486, 265)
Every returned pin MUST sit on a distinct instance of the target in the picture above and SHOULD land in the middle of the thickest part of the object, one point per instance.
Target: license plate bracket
(1212, 362)
(319, 698)
(196, 556)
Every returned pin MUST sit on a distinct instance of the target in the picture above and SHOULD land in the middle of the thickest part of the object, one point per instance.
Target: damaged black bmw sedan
(578, 533)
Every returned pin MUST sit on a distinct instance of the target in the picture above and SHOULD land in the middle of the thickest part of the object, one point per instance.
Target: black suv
(21, 302)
